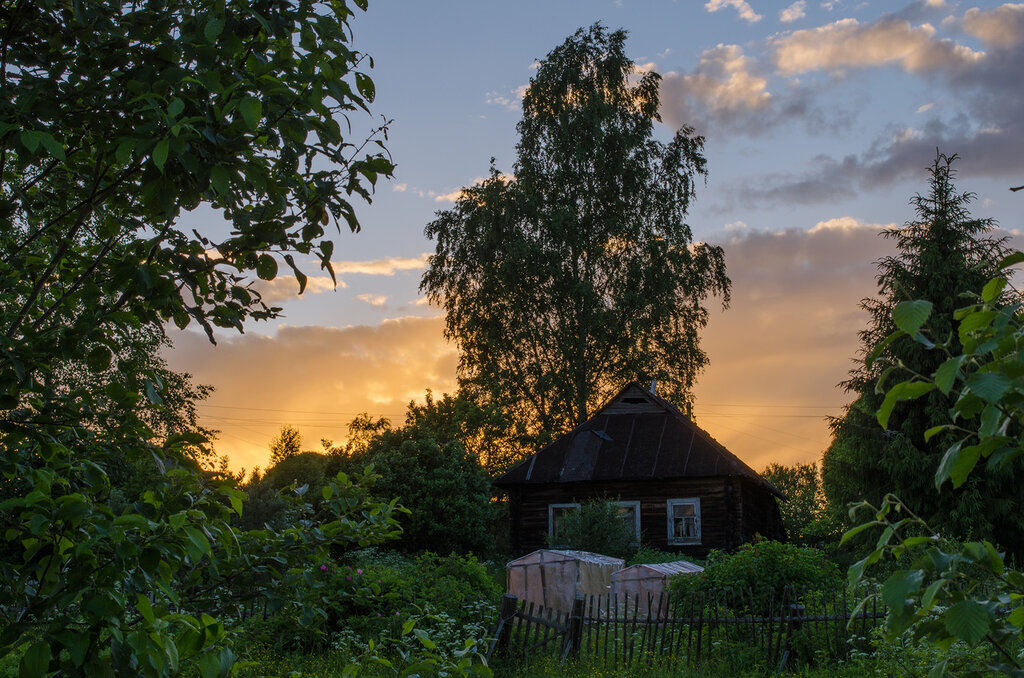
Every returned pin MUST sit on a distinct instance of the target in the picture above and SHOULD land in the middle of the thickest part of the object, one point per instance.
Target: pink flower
(323, 568)
(348, 578)
(359, 571)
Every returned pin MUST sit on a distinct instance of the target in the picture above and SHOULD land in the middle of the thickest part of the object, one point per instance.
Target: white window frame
(551, 514)
(693, 501)
(636, 517)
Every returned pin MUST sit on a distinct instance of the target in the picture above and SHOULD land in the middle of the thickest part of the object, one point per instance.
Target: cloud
(512, 100)
(285, 287)
(449, 197)
(1000, 27)
(316, 378)
(743, 9)
(849, 44)
(724, 90)
(401, 188)
(388, 266)
(925, 107)
(787, 339)
(457, 194)
(375, 300)
(794, 12)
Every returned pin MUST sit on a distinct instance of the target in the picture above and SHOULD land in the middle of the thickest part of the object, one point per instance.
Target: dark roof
(636, 436)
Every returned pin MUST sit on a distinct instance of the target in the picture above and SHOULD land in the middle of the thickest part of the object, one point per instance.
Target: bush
(373, 594)
(762, 566)
(596, 527)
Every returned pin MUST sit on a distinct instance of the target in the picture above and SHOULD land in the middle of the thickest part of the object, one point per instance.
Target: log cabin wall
(762, 514)
(721, 510)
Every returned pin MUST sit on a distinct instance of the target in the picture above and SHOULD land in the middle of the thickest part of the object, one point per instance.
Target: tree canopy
(118, 117)
(578, 272)
(941, 255)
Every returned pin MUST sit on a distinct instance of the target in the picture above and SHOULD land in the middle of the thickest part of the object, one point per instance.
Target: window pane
(628, 516)
(558, 514)
(684, 521)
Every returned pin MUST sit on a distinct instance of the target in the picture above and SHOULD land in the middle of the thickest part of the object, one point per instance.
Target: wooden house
(678, 488)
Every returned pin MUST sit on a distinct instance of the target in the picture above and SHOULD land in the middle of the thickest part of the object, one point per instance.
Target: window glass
(556, 513)
(684, 521)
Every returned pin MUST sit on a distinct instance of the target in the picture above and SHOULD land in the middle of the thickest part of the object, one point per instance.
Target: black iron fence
(621, 631)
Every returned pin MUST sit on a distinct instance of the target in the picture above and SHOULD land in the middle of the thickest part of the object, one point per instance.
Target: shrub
(762, 566)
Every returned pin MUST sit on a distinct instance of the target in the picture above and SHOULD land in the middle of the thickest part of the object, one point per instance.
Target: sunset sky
(819, 118)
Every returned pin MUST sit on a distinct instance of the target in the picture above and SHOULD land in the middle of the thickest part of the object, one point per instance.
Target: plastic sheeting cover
(552, 578)
(643, 584)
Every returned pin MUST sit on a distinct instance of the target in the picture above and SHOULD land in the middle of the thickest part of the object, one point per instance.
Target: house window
(556, 512)
(684, 521)
(629, 512)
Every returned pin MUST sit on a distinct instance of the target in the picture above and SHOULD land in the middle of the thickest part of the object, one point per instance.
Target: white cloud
(723, 81)
(512, 100)
(846, 224)
(285, 287)
(1000, 27)
(794, 12)
(387, 266)
(743, 9)
(925, 107)
(449, 197)
(401, 188)
(849, 44)
(375, 300)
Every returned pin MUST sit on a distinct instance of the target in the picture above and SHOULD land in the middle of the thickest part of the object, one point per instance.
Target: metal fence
(620, 631)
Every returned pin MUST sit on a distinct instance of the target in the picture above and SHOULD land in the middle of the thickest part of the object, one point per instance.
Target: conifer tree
(941, 255)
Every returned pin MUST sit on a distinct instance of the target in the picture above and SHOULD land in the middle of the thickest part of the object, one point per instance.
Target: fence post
(796, 615)
(574, 634)
(506, 613)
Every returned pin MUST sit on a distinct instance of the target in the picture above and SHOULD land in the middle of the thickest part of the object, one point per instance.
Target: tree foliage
(804, 513)
(579, 273)
(429, 468)
(288, 443)
(116, 118)
(947, 590)
(941, 255)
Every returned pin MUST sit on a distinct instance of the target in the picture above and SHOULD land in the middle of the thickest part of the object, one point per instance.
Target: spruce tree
(942, 255)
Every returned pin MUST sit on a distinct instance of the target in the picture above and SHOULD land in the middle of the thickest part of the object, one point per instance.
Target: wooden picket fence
(621, 631)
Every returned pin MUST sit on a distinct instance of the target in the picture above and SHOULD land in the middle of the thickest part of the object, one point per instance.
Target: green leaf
(52, 146)
(1017, 617)
(99, 359)
(907, 390)
(1011, 259)
(175, 108)
(36, 660)
(993, 288)
(877, 351)
(990, 386)
(145, 608)
(213, 28)
(160, 153)
(946, 373)
(252, 111)
(219, 179)
(934, 430)
(899, 587)
(365, 86)
(968, 621)
(266, 267)
(909, 316)
(31, 139)
(964, 463)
